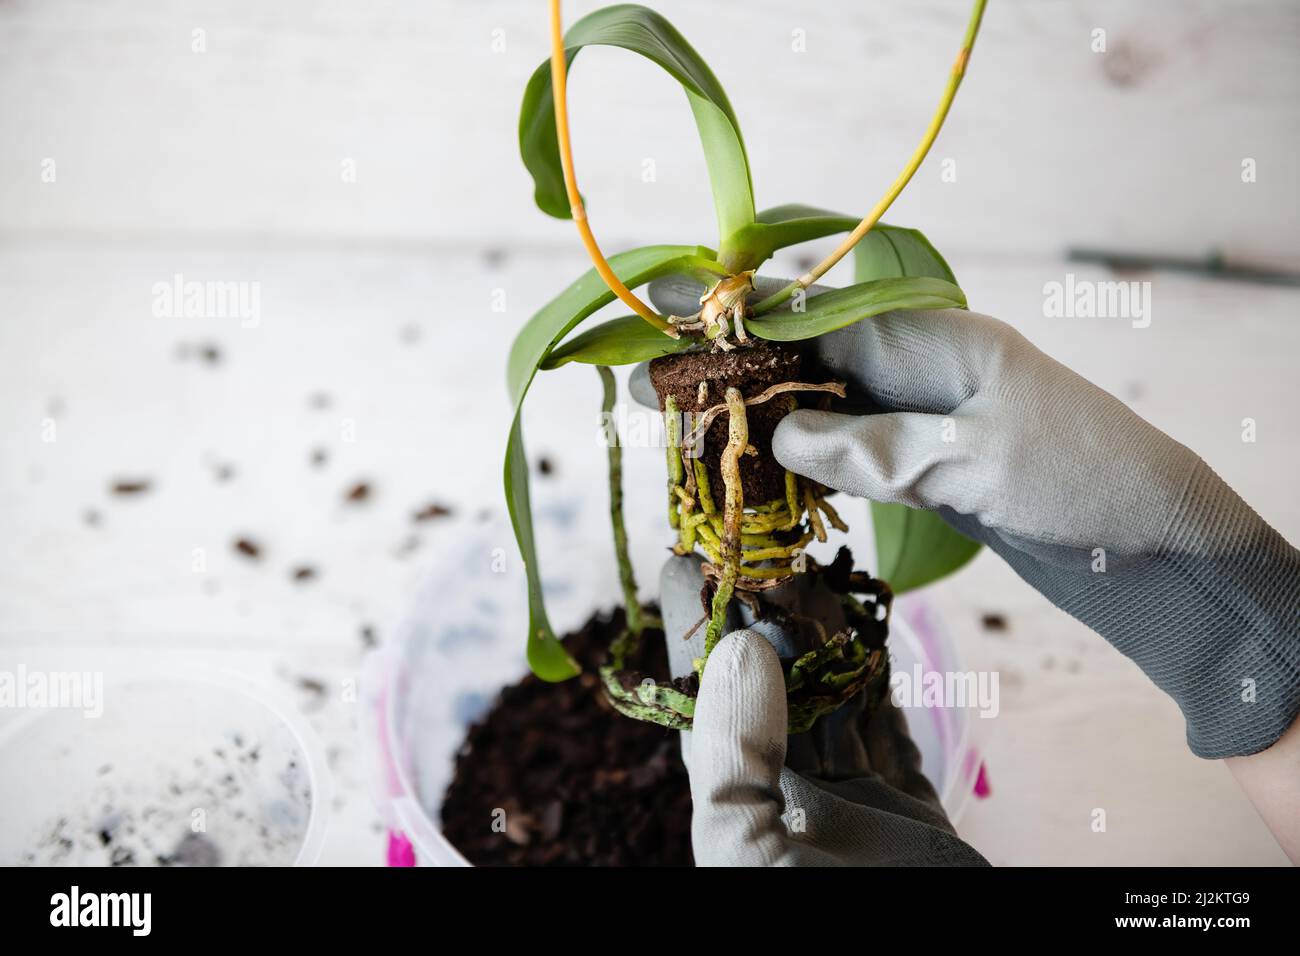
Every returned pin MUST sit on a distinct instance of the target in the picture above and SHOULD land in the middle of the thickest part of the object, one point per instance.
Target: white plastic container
(192, 767)
(464, 641)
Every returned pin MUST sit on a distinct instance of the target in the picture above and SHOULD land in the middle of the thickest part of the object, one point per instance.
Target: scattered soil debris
(131, 486)
(319, 457)
(545, 466)
(92, 518)
(248, 548)
(319, 401)
(431, 512)
(304, 572)
(410, 334)
(312, 685)
(368, 636)
(194, 849)
(359, 492)
(124, 819)
(316, 692)
(1126, 65)
(994, 621)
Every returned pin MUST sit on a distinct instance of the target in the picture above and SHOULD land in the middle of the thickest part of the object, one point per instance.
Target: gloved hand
(1109, 518)
(848, 792)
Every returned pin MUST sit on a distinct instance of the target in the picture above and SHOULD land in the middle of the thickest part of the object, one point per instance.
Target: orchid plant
(748, 547)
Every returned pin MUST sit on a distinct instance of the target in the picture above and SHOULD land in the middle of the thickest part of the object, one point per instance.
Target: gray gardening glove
(1112, 520)
(848, 792)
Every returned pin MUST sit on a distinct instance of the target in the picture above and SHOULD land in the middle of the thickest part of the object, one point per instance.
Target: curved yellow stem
(913, 164)
(559, 69)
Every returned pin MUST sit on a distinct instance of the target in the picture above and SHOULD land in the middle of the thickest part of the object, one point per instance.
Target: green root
(627, 642)
(819, 683)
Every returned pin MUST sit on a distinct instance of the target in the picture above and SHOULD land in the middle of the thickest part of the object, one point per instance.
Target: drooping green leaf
(623, 341)
(834, 310)
(534, 343)
(914, 548)
(641, 30)
(546, 655)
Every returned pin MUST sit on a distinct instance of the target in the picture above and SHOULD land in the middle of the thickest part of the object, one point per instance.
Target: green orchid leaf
(888, 251)
(915, 548)
(641, 30)
(788, 225)
(834, 310)
(623, 341)
(546, 655)
(885, 251)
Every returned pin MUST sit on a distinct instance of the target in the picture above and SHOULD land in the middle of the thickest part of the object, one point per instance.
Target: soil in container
(579, 783)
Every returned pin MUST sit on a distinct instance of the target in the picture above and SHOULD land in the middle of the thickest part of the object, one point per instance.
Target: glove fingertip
(640, 387)
(743, 688)
(737, 751)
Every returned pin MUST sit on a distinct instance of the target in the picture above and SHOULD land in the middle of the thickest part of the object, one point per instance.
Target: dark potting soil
(553, 775)
(752, 370)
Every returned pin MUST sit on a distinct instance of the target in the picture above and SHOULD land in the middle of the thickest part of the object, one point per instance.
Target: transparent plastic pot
(463, 641)
(185, 767)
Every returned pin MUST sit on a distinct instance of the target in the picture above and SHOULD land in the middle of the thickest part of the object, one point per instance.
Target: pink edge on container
(400, 850)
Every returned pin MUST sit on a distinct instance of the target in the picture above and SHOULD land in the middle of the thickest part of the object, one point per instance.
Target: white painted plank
(1138, 147)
